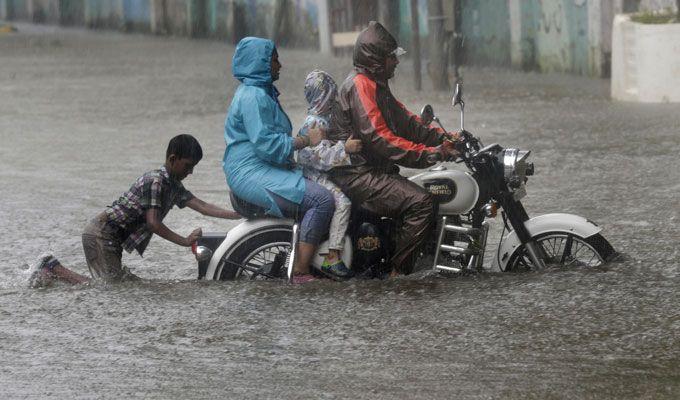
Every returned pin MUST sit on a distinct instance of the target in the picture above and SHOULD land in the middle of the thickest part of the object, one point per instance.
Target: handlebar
(467, 145)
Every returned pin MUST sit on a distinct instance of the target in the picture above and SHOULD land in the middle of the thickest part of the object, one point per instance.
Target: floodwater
(82, 114)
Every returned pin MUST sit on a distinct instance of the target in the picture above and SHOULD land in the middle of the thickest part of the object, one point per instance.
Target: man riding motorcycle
(390, 135)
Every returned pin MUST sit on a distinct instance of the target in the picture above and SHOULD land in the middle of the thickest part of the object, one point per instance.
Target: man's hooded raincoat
(258, 159)
(390, 135)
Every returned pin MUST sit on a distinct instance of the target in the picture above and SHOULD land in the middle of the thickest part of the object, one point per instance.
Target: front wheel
(562, 249)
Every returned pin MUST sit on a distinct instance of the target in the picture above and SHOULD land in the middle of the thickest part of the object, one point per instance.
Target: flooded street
(83, 114)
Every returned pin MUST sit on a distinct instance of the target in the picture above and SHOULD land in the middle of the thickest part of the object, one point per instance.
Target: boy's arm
(211, 210)
(155, 225)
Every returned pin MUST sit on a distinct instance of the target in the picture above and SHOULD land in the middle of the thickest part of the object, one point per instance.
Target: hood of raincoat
(371, 49)
(252, 61)
(321, 93)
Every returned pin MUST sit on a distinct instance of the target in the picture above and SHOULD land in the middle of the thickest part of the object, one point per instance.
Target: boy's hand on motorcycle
(232, 215)
(353, 146)
(193, 236)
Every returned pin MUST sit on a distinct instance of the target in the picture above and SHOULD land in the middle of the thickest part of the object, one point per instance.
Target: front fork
(518, 216)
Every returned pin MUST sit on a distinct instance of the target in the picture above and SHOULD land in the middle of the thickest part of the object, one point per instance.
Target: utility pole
(325, 38)
(388, 13)
(438, 68)
(415, 45)
(281, 31)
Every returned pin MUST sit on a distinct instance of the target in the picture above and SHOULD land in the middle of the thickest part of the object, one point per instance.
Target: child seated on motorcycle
(131, 220)
(324, 112)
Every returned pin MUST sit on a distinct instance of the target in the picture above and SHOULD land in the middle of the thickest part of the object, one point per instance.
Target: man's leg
(392, 195)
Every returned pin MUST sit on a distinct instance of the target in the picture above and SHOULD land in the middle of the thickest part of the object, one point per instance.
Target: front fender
(239, 234)
(556, 222)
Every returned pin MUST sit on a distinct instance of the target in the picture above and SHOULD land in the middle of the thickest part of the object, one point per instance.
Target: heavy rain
(83, 113)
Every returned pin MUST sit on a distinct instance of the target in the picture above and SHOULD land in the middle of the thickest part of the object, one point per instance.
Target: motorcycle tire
(562, 250)
(255, 251)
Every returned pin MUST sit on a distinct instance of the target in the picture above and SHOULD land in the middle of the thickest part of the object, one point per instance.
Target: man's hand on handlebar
(452, 136)
(448, 150)
(458, 135)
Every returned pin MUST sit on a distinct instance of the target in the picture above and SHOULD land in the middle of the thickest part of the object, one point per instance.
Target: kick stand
(290, 262)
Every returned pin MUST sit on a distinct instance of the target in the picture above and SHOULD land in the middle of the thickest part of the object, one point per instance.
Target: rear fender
(556, 222)
(238, 235)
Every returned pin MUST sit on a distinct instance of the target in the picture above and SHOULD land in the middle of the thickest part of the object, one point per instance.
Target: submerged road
(82, 114)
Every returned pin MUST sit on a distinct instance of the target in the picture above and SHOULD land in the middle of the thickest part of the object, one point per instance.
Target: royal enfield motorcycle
(495, 180)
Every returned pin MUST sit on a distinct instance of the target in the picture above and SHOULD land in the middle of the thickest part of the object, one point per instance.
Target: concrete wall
(293, 22)
(645, 62)
(44, 11)
(560, 35)
(571, 36)
(486, 26)
(108, 15)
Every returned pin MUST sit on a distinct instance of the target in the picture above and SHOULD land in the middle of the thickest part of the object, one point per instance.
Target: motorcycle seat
(246, 209)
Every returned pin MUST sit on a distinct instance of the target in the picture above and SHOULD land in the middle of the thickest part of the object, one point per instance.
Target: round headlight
(514, 163)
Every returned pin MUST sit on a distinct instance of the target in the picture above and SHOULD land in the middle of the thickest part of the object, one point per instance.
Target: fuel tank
(455, 191)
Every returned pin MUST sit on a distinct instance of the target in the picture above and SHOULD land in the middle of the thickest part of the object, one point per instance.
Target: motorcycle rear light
(202, 253)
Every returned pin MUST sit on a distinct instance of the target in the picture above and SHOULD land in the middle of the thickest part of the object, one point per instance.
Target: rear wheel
(260, 256)
(564, 250)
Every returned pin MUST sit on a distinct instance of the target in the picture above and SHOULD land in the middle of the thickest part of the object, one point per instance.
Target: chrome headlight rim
(515, 164)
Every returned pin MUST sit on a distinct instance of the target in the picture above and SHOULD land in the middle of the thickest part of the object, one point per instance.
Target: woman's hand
(315, 134)
(353, 146)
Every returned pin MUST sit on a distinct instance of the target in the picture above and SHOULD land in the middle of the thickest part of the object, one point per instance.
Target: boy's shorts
(103, 251)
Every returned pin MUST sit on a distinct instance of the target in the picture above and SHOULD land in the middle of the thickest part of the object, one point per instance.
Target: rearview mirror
(427, 114)
(458, 96)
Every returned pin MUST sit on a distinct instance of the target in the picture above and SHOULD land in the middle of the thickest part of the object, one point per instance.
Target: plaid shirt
(154, 189)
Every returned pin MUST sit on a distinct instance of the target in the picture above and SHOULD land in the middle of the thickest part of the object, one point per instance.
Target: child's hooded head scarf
(321, 93)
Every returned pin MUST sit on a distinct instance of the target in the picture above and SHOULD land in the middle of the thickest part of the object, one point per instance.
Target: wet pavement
(82, 114)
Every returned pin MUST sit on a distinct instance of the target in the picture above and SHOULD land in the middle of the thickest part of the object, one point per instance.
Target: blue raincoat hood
(252, 61)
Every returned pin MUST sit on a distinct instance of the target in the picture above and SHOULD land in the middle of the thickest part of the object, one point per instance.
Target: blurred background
(572, 36)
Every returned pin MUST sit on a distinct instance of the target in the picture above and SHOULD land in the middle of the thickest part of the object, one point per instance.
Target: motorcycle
(496, 178)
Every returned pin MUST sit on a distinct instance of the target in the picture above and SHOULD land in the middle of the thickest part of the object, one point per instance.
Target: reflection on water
(80, 121)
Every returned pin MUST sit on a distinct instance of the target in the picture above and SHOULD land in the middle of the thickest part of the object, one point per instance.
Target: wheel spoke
(567, 248)
(553, 243)
(562, 249)
(259, 259)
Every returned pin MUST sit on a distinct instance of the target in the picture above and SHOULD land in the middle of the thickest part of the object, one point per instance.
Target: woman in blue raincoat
(258, 160)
